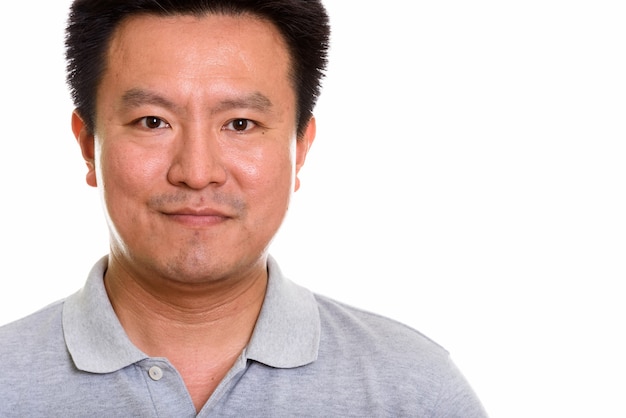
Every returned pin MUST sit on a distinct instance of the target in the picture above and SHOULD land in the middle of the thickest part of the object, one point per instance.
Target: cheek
(127, 170)
(269, 171)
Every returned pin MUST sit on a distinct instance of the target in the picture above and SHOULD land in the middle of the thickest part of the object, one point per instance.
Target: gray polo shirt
(308, 356)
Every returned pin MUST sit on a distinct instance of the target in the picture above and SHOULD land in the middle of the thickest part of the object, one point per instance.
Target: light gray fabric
(309, 356)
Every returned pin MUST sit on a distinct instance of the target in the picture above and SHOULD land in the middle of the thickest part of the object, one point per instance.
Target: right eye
(153, 122)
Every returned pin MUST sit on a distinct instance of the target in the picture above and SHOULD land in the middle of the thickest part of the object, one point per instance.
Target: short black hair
(304, 25)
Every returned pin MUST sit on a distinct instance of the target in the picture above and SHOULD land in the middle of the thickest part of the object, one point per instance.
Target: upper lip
(191, 211)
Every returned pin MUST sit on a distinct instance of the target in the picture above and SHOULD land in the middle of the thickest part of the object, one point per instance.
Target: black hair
(304, 25)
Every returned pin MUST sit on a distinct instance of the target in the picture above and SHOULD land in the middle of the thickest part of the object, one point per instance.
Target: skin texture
(196, 157)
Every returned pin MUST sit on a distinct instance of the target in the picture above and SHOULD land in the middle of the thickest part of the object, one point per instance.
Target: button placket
(166, 389)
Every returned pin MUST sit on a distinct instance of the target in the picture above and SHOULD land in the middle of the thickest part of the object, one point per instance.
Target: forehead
(198, 55)
(200, 30)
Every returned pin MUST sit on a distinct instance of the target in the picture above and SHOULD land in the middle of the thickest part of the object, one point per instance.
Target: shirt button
(155, 373)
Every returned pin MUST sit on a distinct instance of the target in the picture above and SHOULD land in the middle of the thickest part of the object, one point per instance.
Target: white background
(468, 179)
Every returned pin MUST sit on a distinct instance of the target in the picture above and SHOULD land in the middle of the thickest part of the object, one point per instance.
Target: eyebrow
(256, 101)
(137, 97)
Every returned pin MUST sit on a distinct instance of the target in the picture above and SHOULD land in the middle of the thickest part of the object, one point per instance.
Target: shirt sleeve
(457, 399)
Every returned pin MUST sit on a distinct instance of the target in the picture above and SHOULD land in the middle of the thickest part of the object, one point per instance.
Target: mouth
(197, 217)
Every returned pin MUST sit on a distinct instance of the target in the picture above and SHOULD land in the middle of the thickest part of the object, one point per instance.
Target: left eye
(240, 125)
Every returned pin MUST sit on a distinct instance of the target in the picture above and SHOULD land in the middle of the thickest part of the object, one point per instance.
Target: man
(194, 118)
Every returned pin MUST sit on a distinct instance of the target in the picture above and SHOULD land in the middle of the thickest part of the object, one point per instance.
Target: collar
(286, 335)
(287, 332)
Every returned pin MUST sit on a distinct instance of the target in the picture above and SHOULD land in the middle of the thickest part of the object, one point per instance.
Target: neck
(171, 317)
(201, 328)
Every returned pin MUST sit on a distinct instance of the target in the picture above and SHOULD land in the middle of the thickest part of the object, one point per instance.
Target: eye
(153, 122)
(240, 125)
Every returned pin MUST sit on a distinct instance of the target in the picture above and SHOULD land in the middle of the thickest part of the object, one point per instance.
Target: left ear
(303, 144)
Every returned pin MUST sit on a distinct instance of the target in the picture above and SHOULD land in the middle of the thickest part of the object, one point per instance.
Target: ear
(86, 142)
(303, 144)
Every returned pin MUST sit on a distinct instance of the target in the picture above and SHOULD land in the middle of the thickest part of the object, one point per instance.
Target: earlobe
(303, 145)
(86, 142)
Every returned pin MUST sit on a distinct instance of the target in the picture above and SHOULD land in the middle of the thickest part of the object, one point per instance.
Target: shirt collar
(93, 334)
(287, 332)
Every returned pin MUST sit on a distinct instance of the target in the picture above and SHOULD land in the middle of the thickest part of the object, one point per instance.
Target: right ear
(86, 141)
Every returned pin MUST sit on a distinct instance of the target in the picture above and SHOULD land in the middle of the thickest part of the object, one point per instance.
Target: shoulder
(385, 347)
(34, 321)
(32, 350)
(31, 336)
(399, 365)
(371, 329)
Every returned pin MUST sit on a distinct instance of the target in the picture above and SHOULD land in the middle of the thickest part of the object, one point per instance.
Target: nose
(197, 160)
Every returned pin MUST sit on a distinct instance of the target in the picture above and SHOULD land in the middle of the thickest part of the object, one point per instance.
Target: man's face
(195, 147)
